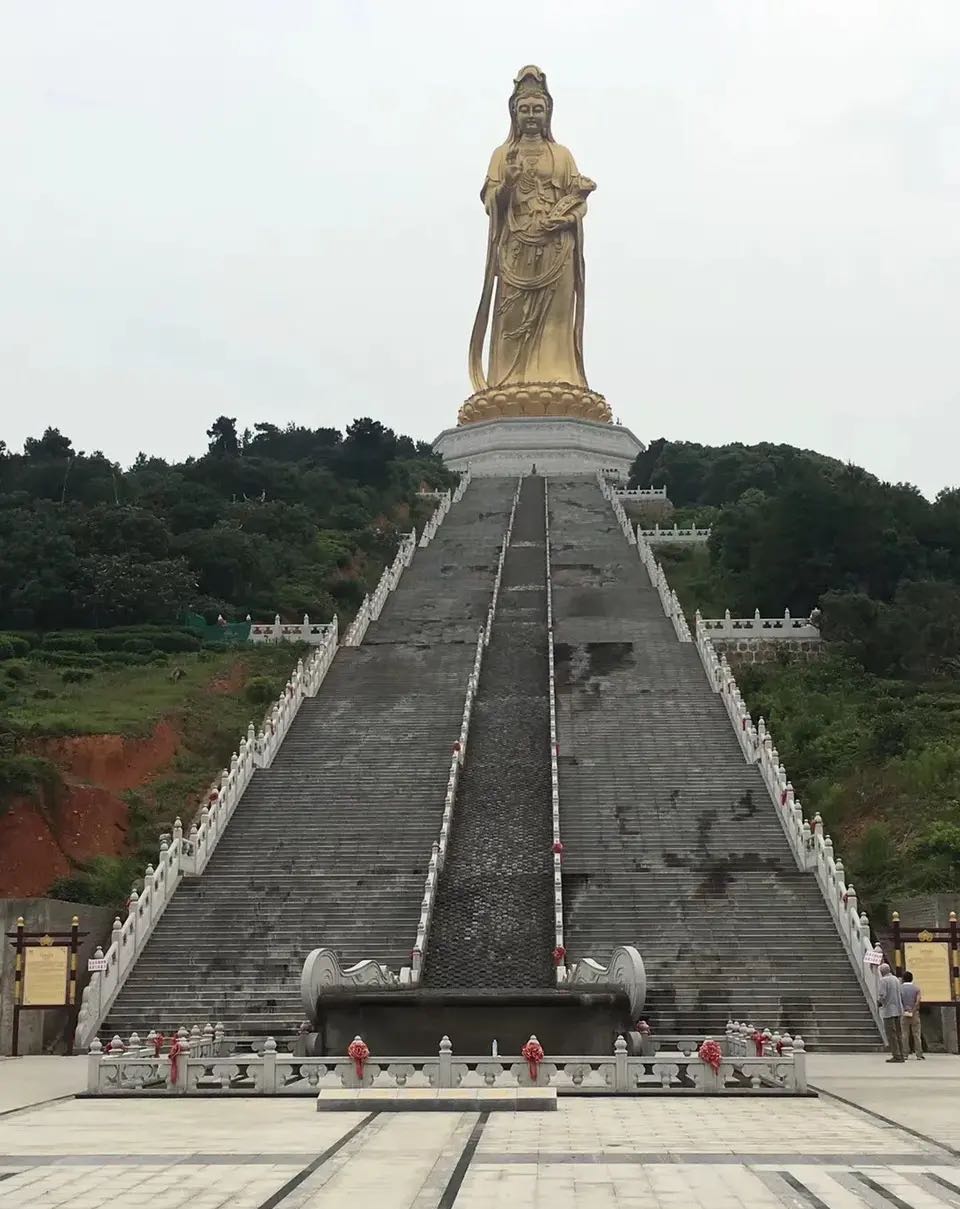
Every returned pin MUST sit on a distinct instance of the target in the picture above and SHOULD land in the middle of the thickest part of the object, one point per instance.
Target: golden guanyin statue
(536, 200)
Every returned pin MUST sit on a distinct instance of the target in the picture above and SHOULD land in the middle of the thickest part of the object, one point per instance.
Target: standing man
(910, 997)
(891, 1010)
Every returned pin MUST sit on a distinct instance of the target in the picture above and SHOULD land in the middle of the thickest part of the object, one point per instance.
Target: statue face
(532, 115)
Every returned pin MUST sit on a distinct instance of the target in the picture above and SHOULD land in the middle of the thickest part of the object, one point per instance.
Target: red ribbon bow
(711, 1053)
(358, 1051)
(558, 847)
(176, 1049)
(533, 1052)
(758, 1042)
(157, 1044)
(559, 953)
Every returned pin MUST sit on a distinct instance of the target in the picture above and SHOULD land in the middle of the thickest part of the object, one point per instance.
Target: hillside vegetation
(870, 735)
(114, 714)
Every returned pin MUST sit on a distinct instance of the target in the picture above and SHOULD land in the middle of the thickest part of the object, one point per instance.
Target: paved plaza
(633, 1152)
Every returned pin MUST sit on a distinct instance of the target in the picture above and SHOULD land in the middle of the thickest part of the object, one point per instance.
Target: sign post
(933, 957)
(45, 974)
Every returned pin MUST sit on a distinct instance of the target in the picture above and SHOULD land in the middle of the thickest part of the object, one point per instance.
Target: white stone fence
(372, 605)
(308, 631)
(675, 536)
(655, 495)
(559, 954)
(447, 500)
(612, 494)
(135, 1069)
(768, 628)
(438, 854)
(187, 855)
(668, 598)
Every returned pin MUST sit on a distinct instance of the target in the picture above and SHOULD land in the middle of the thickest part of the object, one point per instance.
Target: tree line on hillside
(792, 528)
(291, 519)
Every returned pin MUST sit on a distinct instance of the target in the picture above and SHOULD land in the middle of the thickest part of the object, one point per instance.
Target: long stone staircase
(493, 924)
(329, 846)
(671, 840)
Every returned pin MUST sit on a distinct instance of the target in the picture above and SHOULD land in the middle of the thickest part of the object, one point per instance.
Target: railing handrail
(559, 949)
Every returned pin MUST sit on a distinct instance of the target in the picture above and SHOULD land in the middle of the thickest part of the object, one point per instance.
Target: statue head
(531, 105)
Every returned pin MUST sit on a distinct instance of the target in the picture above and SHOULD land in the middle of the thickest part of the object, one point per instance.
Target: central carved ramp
(494, 921)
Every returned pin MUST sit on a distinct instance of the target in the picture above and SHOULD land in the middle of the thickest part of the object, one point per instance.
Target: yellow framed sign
(929, 963)
(46, 973)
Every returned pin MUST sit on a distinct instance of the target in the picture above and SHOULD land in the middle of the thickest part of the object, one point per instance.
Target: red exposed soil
(88, 816)
(111, 761)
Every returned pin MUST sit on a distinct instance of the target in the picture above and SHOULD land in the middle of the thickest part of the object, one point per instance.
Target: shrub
(24, 774)
(17, 671)
(76, 675)
(104, 881)
(69, 642)
(260, 690)
(13, 647)
(65, 658)
(138, 646)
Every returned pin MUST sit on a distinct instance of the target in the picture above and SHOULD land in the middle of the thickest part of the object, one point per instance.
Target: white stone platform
(554, 444)
(437, 1099)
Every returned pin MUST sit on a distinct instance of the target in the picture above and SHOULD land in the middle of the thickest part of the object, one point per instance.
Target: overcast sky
(269, 209)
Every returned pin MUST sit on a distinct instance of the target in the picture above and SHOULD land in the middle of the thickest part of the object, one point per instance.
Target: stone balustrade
(613, 494)
(767, 628)
(676, 536)
(373, 603)
(213, 1069)
(812, 849)
(657, 495)
(559, 947)
(438, 852)
(187, 855)
(314, 633)
(446, 501)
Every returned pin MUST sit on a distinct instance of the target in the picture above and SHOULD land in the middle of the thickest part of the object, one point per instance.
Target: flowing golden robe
(535, 254)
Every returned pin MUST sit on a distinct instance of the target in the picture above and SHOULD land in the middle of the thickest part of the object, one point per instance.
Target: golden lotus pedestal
(535, 399)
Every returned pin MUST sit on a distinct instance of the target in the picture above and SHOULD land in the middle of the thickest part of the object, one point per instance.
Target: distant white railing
(770, 628)
(675, 536)
(308, 631)
(438, 853)
(187, 855)
(372, 605)
(653, 495)
(559, 952)
(447, 500)
(136, 1068)
(812, 850)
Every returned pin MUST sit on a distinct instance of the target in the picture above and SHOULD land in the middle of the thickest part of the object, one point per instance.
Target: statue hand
(512, 174)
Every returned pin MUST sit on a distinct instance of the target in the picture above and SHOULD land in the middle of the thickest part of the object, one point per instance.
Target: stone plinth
(554, 444)
(437, 1099)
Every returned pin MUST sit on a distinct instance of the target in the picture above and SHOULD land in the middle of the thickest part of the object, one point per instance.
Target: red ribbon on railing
(358, 1051)
(558, 847)
(157, 1044)
(559, 953)
(757, 1039)
(176, 1049)
(711, 1053)
(533, 1052)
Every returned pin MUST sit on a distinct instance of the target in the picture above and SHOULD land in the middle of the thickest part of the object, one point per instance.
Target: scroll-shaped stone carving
(625, 970)
(322, 971)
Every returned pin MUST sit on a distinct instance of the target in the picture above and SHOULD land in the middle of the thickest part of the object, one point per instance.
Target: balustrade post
(445, 1063)
(269, 1083)
(620, 1070)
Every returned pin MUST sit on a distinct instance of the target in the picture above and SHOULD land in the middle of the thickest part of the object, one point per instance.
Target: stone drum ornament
(533, 286)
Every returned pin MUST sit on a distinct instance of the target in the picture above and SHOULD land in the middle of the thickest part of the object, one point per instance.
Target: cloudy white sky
(269, 208)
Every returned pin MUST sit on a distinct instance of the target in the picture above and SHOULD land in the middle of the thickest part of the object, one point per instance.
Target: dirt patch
(232, 681)
(30, 856)
(112, 762)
